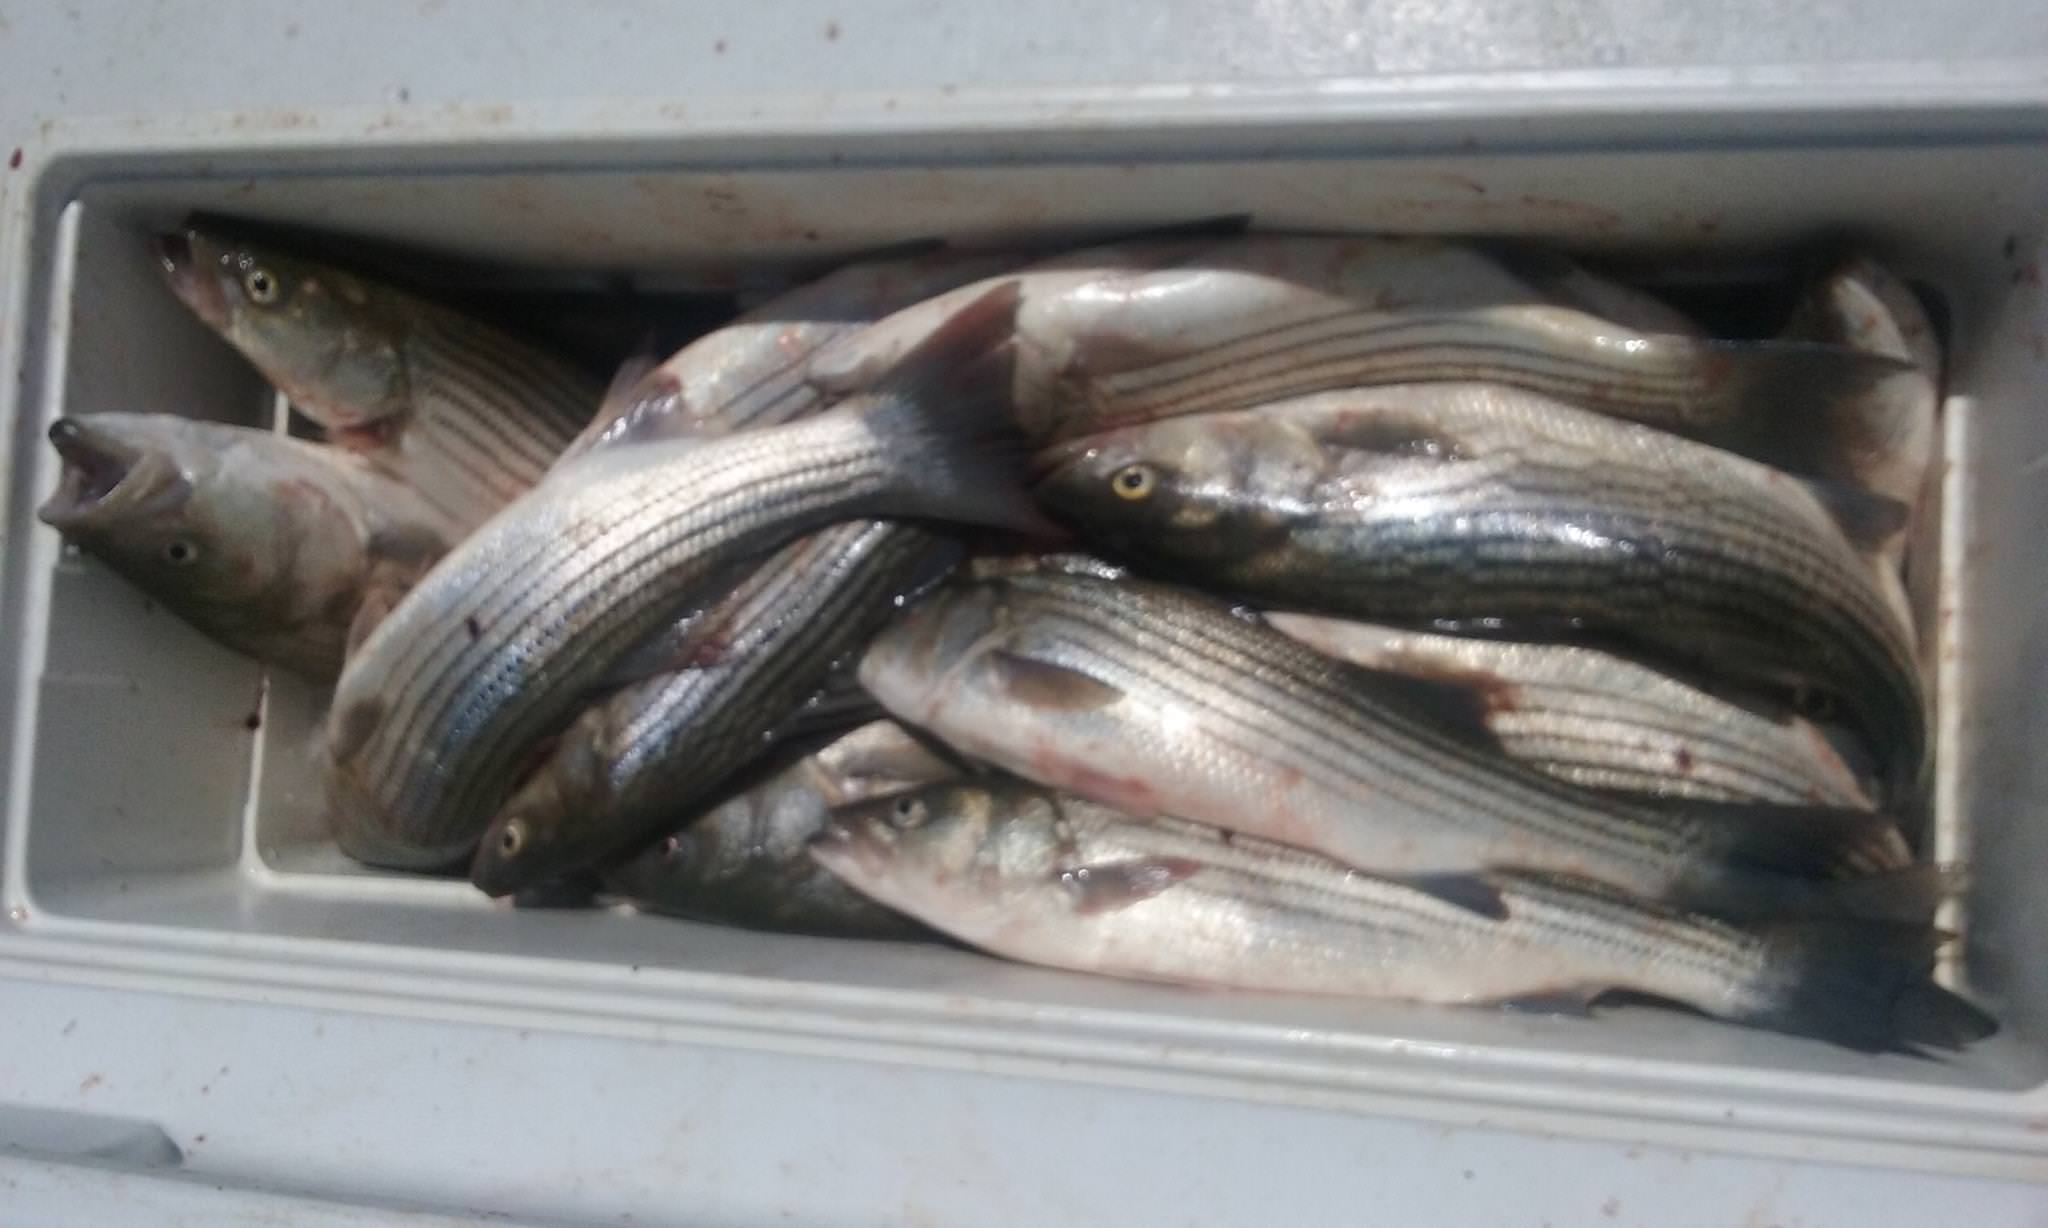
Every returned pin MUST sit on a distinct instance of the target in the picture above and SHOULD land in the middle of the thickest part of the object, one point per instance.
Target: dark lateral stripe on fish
(463, 444)
(863, 556)
(1786, 552)
(759, 403)
(1345, 341)
(1733, 776)
(549, 385)
(557, 394)
(1441, 765)
(788, 580)
(494, 408)
(1729, 589)
(1344, 327)
(528, 400)
(443, 678)
(447, 681)
(470, 408)
(1634, 826)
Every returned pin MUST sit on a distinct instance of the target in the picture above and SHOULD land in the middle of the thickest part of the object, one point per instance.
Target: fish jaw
(858, 846)
(106, 478)
(189, 264)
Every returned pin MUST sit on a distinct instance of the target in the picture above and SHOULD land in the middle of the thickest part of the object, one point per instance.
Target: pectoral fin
(1043, 685)
(1119, 884)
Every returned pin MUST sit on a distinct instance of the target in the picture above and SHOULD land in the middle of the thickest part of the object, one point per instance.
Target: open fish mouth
(191, 276)
(99, 474)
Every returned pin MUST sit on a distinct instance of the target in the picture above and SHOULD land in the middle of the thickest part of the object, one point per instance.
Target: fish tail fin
(1808, 841)
(1907, 896)
(639, 392)
(947, 410)
(1864, 985)
(1798, 861)
(1802, 406)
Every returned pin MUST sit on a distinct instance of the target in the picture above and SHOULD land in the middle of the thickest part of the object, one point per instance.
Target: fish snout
(96, 464)
(192, 276)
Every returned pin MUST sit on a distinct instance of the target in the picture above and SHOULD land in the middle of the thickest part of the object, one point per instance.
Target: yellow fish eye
(260, 284)
(1134, 482)
(512, 839)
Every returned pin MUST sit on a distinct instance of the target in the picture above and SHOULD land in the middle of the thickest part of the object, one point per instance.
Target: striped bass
(1159, 701)
(1140, 331)
(629, 765)
(1064, 882)
(514, 630)
(270, 545)
(1489, 509)
(466, 414)
(1603, 722)
(753, 372)
(746, 860)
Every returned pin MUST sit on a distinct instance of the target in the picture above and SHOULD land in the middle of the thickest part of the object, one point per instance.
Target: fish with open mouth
(270, 545)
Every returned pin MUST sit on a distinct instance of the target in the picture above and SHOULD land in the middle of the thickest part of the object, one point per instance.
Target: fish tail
(947, 411)
(1808, 841)
(1864, 985)
(1906, 896)
(1804, 407)
(1806, 861)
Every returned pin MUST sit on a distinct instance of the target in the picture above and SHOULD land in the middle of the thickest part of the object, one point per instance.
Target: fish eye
(512, 839)
(179, 553)
(260, 284)
(1134, 482)
(907, 813)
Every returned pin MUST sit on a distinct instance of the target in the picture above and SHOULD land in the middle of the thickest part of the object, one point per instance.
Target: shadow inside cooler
(172, 791)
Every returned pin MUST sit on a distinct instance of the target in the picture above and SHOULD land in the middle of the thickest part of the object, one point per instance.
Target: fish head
(535, 836)
(1191, 488)
(187, 512)
(333, 342)
(678, 859)
(906, 667)
(960, 854)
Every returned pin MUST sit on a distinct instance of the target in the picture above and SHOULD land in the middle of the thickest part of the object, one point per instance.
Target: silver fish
(628, 765)
(753, 372)
(502, 641)
(1478, 507)
(1141, 331)
(468, 415)
(269, 545)
(1604, 722)
(746, 860)
(1161, 702)
(1066, 883)
(1887, 436)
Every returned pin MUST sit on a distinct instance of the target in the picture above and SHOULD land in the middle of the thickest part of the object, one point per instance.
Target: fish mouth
(100, 475)
(852, 847)
(182, 257)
